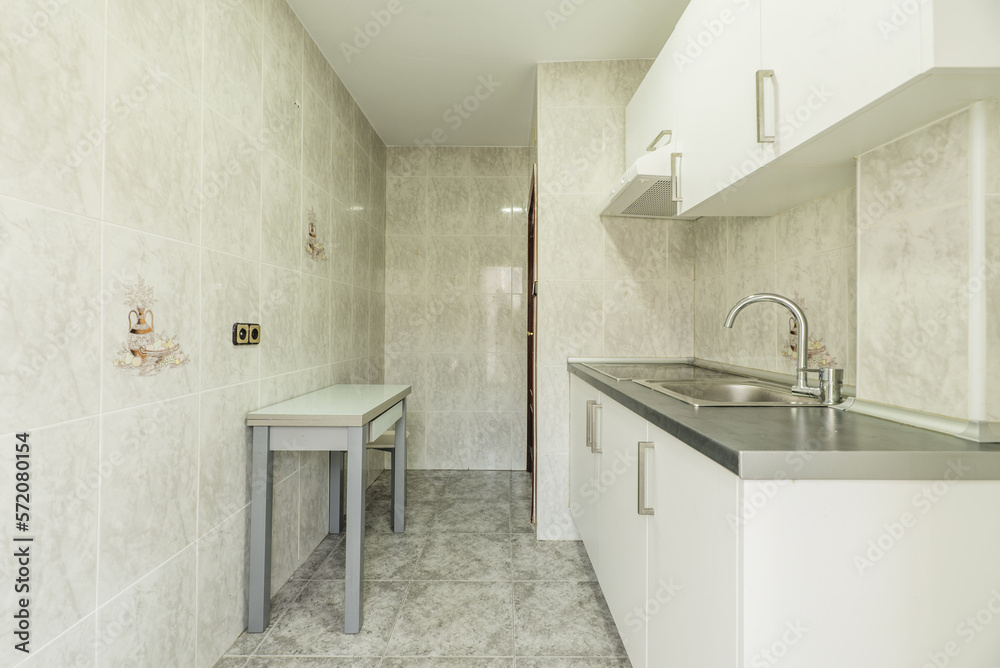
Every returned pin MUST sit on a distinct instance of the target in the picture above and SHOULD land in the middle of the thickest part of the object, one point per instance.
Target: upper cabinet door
(831, 59)
(715, 50)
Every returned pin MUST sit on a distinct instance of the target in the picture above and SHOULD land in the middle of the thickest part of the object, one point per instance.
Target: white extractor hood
(649, 188)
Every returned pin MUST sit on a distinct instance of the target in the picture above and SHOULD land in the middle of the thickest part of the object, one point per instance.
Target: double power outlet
(246, 334)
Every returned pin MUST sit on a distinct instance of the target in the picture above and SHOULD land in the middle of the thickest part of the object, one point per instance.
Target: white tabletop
(333, 406)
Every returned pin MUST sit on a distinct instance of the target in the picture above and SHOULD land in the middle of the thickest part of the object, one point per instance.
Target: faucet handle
(831, 385)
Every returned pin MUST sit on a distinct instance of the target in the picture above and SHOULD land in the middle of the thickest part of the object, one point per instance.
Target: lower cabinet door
(584, 463)
(622, 530)
(692, 610)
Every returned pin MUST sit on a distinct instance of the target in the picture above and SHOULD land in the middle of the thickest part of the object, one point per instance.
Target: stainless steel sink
(710, 392)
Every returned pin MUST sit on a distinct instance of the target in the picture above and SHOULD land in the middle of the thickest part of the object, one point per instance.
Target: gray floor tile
(424, 490)
(551, 560)
(494, 485)
(444, 662)
(520, 485)
(454, 619)
(465, 556)
(308, 568)
(419, 517)
(564, 619)
(312, 662)
(315, 625)
(520, 516)
(472, 516)
(388, 556)
(572, 662)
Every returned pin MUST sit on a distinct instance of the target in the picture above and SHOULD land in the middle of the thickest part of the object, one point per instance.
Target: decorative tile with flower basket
(144, 351)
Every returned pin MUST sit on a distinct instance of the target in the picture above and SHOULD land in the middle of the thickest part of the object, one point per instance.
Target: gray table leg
(355, 566)
(399, 475)
(260, 532)
(336, 485)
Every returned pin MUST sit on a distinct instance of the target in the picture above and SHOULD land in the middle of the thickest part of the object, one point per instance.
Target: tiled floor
(467, 586)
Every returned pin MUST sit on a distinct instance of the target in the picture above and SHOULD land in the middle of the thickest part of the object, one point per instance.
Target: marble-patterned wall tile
(448, 203)
(928, 168)
(572, 151)
(644, 319)
(993, 148)
(317, 139)
(314, 504)
(751, 341)
(149, 498)
(314, 334)
(317, 215)
(406, 205)
(448, 265)
(490, 265)
(448, 440)
(750, 242)
(491, 325)
(490, 438)
(281, 241)
(224, 453)
(711, 341)
(230, 196)
(283, 28)
(406, 265)
(152, 149)
(635, 249)
(681, 242)
(142, 271)
(571, 84)
(230, 294)
(911, 326)
(448, 381)
(409, 369)
(223, 560)
(553, 408)
(285, 531)
(341, 322)
(52, 129)
(492, 382)
(50, 331)
(711, 247)
(571, 320)
(343, 163)
(154, 621)
(449, 161)
(555, 518)
(447, 323)
(283, 101)
(490, 207)
(821, 225)
(622, 79)
(64, 499)
(993, 301)
(167, 33)
(74, 648)
(407, 326)
(570, 237)
(279, 320)
(318, 72)
(234, 64)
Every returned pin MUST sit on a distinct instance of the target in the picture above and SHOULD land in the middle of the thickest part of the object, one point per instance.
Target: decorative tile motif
(145, 351)
(315, 249)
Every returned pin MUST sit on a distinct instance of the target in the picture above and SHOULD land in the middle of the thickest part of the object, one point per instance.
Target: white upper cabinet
(716, 51)
(831, 59)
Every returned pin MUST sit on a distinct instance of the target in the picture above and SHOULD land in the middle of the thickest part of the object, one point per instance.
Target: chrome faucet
(831, 380)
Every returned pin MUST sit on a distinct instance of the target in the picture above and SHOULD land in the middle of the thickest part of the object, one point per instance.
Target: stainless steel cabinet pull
(762, 136)
(590, 424)
(675, 177)
(595, 431)
(644, 447)
(653, 145)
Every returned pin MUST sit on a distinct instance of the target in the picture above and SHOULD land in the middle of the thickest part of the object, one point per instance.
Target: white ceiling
(431, 55)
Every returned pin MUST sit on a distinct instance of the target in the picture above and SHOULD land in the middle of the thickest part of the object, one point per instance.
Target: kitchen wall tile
(635, 249)
(231, 191)
(314, 332)
(448, 376)
(448, 161)
(317, 209)
(570, 145)
(553, 409)
(681, 251)
(911, 326)
(362, 322)
(490, 161)
(492, 382)
(622, 79)
(153, 152)
(343, 163)
(317, 139)
(490, 440)
(284, 531)
(448, 206)
(928, 168)
(448, 265)
(490, 265)
(407, 324)
(519, 264)
(64, 499)
(363, 175)
(314, 498)
(406, 205)
(318, 72)
(571, 320)
(448, 440)
(225, 448)
(571, 84)
(76, 647)
(149, 500)
(993, 301)
(570, 238)
(409, 369)
(53, 140)
(555, 519)
(752, 338)
(153, 622)
(711, 341)
(638, 320)
(750, 242)
(491, 204)
(166, 33)
(283, 100)
(279, 320)
(406, 161)
(230, 293)
(820, 225)
(282, 194)
(234, 64)
(406, 265)
(283, 28)
(416, 440)
(223, 560)
(169, 271)
(50, 331)
(491, 327)
(993, 148)
(448, 325)
(711, 247)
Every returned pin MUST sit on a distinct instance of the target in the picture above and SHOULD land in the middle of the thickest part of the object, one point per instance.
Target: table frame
(338, 441)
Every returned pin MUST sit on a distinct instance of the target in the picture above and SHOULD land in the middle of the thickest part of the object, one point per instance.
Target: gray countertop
(804, 443)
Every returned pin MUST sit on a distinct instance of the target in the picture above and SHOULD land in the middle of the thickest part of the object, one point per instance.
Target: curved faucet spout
(802, 345)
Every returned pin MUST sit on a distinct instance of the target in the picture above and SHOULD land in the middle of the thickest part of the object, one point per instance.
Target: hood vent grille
(643, 197)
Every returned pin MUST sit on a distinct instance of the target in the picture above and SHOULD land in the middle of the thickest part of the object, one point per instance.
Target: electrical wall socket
(246, 334)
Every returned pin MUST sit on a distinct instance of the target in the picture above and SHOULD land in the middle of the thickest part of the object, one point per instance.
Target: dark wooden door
(531, 339)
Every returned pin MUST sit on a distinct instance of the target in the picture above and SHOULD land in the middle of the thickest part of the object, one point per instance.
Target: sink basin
(729, 393)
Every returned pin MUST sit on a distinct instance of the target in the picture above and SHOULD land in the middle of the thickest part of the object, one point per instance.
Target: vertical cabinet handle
(590, 424)
(762, 136)
(675, 177)
(595, 430)
(644, 447)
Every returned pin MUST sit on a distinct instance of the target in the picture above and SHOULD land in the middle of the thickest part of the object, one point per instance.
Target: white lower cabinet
(731, 573)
